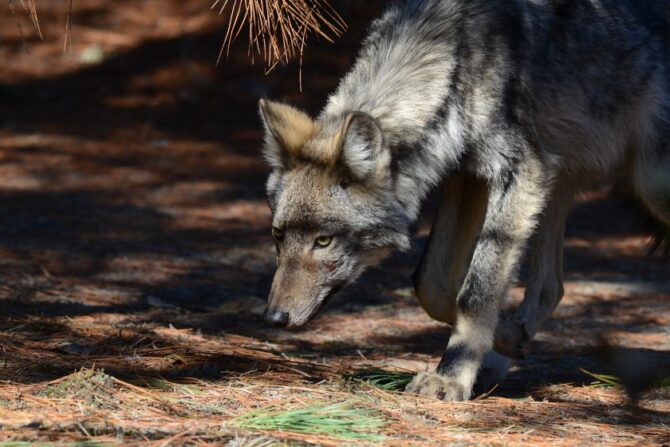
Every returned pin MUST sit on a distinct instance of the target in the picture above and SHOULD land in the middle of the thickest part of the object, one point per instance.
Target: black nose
(276, 317)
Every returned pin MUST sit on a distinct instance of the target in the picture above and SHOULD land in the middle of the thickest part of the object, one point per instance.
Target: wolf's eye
(323, 241)
(277, 233)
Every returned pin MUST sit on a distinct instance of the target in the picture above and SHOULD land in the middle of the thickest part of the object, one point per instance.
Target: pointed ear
(363, 153)
(286, 130)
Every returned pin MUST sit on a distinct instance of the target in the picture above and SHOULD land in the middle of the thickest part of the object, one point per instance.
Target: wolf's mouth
(328, 298)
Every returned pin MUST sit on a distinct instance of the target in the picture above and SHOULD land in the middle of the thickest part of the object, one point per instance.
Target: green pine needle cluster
(386, 380)
(340, 420)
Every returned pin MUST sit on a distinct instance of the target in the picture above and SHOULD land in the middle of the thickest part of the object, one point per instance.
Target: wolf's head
(334, 211)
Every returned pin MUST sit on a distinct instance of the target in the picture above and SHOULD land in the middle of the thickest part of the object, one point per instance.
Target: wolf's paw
(437, 386)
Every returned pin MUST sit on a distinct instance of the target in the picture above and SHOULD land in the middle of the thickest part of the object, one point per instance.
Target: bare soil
(136, 255)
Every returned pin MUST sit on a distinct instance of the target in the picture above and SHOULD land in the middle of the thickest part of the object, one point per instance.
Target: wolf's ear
(286, 131)
(363, 153)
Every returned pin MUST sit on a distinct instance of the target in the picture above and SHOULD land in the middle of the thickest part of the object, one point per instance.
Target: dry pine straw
(277, 29)
(90, 403)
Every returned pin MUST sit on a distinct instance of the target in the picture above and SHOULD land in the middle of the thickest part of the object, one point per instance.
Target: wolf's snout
(276, 317)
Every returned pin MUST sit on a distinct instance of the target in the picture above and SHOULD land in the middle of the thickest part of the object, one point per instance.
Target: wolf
(506, 106)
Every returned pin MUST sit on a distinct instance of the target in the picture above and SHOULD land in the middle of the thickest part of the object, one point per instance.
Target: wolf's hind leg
(445, 260)
(544, 288)
(513, 202)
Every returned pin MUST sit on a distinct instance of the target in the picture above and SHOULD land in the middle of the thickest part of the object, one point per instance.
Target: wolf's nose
(276, 317)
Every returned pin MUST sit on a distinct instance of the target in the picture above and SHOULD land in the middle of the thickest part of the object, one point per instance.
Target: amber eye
(323, 241)
(277, 234)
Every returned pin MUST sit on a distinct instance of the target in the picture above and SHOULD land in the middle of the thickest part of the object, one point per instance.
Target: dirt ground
(136, 255)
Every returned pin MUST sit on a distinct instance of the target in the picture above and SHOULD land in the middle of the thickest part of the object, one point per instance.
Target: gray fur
(508, 104)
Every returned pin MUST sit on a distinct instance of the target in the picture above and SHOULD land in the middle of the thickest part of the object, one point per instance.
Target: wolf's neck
(402, 78)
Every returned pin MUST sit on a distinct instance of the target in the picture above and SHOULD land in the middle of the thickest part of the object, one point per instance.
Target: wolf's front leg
(544, 288)
(445, 261)
(513, 204)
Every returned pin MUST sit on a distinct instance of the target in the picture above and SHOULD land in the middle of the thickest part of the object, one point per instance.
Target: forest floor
(135, 258)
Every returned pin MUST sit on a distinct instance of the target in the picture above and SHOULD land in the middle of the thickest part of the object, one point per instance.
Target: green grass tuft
(610, 381)
(664, 382)
(340, 420)
(602, 380)
(387, 380)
